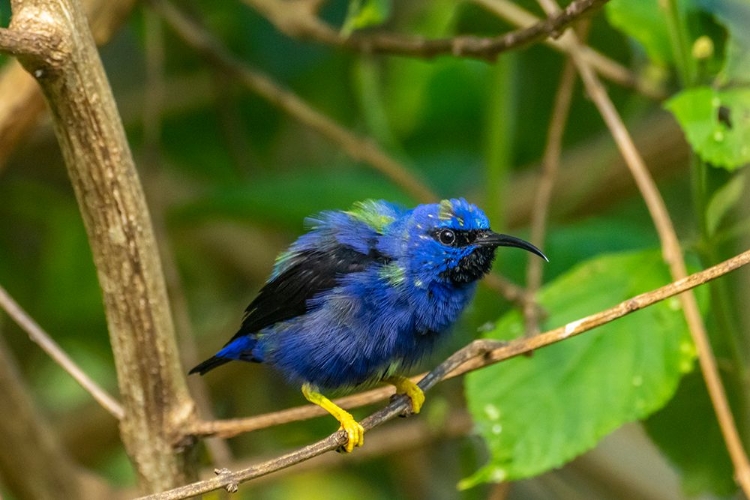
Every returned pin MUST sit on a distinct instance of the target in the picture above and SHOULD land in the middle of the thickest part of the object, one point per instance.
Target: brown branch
(358, 148)
(401, 436)
(672, 254)
(151, 381)
(478, 354)
(48, 345)
(299, 20)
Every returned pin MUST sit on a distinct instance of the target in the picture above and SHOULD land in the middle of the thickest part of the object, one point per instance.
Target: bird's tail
(209, 364)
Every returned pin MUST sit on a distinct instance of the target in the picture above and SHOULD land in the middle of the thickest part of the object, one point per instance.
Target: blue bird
(363, 296)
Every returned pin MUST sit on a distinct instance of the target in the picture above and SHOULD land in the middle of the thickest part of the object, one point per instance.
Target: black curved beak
(488, 238)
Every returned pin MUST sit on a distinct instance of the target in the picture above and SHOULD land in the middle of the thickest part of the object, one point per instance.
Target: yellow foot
(406, 386)
(355, 433)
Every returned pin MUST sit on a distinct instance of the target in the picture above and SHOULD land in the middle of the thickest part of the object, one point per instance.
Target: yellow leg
(406, 386)
(354, 431)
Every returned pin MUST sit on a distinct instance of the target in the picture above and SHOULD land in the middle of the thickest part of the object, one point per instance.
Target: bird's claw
(355, 434)
(406, 386)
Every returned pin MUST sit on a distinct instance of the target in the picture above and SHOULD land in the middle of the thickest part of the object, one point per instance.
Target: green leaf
(735, 16)
(365, 13)
(722, 201)
(535, 413)
(643, 21)
(686, 424)
(716, 123)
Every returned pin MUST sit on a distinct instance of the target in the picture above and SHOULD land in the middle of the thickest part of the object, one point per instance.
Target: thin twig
(550, 167)
(672, 254)
(41, 338)
(403, 436)
(485, 48)
(476, 355)
(358, 148)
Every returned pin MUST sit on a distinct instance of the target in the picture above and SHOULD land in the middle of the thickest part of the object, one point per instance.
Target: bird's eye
(447, 237)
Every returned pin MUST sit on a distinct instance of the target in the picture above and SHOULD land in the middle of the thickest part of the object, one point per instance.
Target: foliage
(622, 372)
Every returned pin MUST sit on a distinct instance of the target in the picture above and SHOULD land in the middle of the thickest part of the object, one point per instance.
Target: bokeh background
(230, 178)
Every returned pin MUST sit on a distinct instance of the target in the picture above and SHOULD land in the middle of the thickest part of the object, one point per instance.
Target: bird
(364, 296)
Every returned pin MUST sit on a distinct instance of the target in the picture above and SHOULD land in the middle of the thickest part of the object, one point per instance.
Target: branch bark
(152, 387)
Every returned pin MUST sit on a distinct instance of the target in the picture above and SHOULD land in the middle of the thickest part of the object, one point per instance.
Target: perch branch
(476, 355)
(48, 345)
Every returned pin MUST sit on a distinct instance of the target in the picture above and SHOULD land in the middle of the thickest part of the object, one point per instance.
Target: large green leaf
(716, 123)
(536, 413)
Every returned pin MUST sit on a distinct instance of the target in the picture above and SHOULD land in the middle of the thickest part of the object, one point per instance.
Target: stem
(680, 40)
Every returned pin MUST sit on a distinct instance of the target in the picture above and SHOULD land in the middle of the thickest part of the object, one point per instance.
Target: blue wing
(338, 245)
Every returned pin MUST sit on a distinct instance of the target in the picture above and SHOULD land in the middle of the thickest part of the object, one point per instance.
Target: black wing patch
(311, 272)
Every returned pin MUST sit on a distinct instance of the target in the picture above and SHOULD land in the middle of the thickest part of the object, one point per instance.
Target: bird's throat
(472, 267)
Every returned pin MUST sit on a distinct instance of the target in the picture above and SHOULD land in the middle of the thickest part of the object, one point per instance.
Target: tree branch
(41, 338)
(298, 20)
(606, 67)
(478, 354)
(152, 384)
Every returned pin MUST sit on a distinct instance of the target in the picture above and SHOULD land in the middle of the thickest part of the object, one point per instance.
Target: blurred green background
(229, 178)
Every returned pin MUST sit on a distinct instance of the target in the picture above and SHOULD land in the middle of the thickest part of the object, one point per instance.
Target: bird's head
(451, 242)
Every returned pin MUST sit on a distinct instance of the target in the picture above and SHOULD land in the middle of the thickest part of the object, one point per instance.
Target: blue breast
(360, 331)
